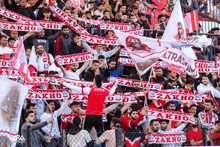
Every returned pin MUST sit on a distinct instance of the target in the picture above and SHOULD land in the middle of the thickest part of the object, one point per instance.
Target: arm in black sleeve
(14, 6)
(185, 108)
(153, 35)
(36, 5)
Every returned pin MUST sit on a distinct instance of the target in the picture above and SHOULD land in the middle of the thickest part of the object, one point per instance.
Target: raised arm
(29, 34)
(42, 124)
(62, 108)
(87, 47)
(84, 66)
(36, 5)
(112, 91)
(63, 70)
(110, 108)
(55, 36)
(112, 52)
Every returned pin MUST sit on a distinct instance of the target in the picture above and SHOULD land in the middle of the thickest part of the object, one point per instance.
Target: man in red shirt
(194, 136)
(95, 103)
(215, 136)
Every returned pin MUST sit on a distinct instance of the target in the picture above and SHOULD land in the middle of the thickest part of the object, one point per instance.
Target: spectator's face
(190, 86)
(163, 125)
(28, 52)
(74, 67)
(214, 77)
(34, 109)
(30, 118)
(183, 76)
(90, 6)
(205, 80)
(216, 32)
(171, 107)
(112, 65)
(107, 15)
(4, 42)
(98, 47)
(136, 85)
(4, 18)
(68, 12)
(207, 106)
(11, 43)
(110, 34)
(23, 3)
(135, 11)
(31, 2)
(77, 39)
(218, 6)
(95, 66)
(101, 8)
(65, 31)
(101, 61)
(47, 15)
(40, 49)
(75, 108)
(173, 75)
(14, 34)
(123, 9)
(159, 72)
(42, 33)
(136, 4)
(88, 15)
(162, 19)
(111, 125)
(75, 11)
(42, 75)
(134, 115)
(132, 18)
(142, 18)
(155, 126)
(193, 110)
(52, 106)
(163, 12)
(124, 18)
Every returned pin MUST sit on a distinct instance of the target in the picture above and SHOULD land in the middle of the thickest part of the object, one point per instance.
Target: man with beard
(207, 117)
(194, 136)
(37, 137)
(55, 134)
(121, 11)
(91, 73)
(74, 72)
(133, 129)
(124, 18)
(143, 23)
(63, 42)
(173, 82)
(159, 76)
(44, 59)
(171, 107)
(166, 129)
(206, 88)
(215, 136)
(111, 70)
(162, 22)
(154, 128)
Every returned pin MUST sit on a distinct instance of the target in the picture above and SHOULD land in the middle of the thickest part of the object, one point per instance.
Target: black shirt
(169, 82)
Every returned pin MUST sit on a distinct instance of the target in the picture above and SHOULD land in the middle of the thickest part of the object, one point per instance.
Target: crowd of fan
(138, 13)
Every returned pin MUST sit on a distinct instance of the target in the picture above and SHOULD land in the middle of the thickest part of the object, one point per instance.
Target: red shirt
(96, 99)
(161, 103)
(196, 136)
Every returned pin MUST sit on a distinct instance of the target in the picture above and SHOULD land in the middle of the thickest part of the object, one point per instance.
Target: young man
(44, 59)
(217, 59)
(75, 45)
(194, 136)
(215, 136)
(11, 42)
(121, 11)
(159, 76)
(47, 14)
(173, 82)
(55, 134)
(143, 23)
(63, 42)
(100, 10)
(111, 69)
(37, 137)
(95, 103)
(91, 73)
(207, 117)
(4, 50)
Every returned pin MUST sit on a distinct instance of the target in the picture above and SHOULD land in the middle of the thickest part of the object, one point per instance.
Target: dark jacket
(74, 48)
(89, 75)
(145, 25)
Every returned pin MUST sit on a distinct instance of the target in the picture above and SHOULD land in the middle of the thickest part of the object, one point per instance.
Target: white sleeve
(200, 90)
(51, 59)
(112, 52)
(78, 89)
(62, 108)
(112, 91)
(46, 128)
(216, 93)
(180, 128)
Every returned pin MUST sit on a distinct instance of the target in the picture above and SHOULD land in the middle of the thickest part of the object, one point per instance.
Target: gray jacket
(36, 136)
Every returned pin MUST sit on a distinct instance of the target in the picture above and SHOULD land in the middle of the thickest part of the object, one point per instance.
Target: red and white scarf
(14, 73)
(12, 15)
(166, 138)
(38, 80)
(46, 61)
(210, 119)
(5, 62)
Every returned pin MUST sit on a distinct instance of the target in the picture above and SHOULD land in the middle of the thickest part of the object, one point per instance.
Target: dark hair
(66, 9)
(159, 17)
(99, 4)
(101, 57)
(64, 27)
(189, 81)
(98, 81)
(116, 121)
(88, 12)
(123, 5)
(124, 14)
(76, 121)
(39, 73)
(169, 103)
(10, 38)
(217, 122)
(193, 105)
(30, 105)
(27, 113)
(119, 90)
(160, 34)
(163, 9)
(205, 76)
(133, 111)
(95, 61)
(74, 103)
(80, 15)
(112, 60)
(39, 44)
(47, 10)
(130, 16)
(3, 36)
(162, 120)
(152, 121)
(76, 35)
(27, 48)
(53, 72)
(141, 14)
(49, 101)
(106, 11)
(108, 31)
(218, 51)
(135, 8)
(209, 101)
(135, 81)
(90, 2)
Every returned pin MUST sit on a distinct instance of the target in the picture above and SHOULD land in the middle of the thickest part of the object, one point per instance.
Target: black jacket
(74, 48)
(89, 75)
